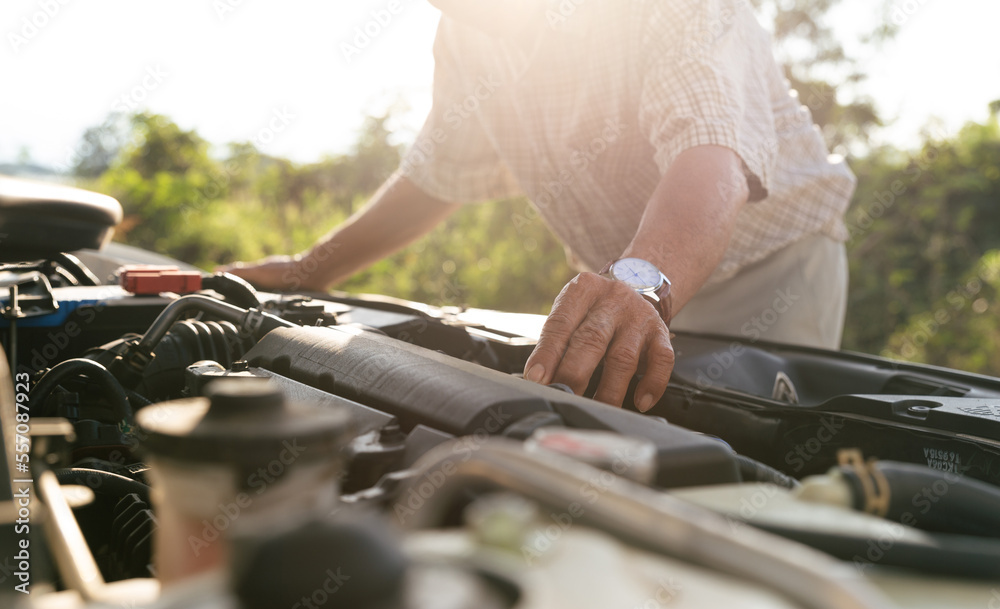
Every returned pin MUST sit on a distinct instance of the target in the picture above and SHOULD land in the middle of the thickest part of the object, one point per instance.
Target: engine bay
(177, 438)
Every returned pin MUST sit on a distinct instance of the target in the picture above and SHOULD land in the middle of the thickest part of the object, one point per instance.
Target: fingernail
(535, 373)
(645, 402)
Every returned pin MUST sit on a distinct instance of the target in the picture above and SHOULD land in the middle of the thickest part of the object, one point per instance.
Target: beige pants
(797, 295)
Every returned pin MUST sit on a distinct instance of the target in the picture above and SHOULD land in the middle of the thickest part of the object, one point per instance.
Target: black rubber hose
(934, 500)
(94, 371)
(102, 482)
(77, 269)
(752, 470)
(235, 289)
(194, 302)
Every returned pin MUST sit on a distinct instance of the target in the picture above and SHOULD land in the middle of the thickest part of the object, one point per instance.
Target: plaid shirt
(586, 109)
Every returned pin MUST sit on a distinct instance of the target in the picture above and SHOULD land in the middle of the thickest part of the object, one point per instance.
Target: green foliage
(960, 330)
(924, 230)
(819, 67)
(181, 202)
(492, 256)
(100, 145)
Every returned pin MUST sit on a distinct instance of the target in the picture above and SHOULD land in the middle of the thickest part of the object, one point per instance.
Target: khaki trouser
(797, 295)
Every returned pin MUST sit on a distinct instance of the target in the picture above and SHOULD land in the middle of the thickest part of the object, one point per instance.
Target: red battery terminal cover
(148, 279)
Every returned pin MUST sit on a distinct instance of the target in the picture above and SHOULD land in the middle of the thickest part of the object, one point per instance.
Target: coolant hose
(925, 498)
(244, 319)
(94, 371)
(235, 289)
(138, 356)
(641, 516)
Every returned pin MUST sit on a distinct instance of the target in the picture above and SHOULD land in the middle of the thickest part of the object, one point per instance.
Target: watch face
(637, 273)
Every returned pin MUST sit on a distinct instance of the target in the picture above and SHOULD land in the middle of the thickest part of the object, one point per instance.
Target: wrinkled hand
(277, 273)
(595, 318)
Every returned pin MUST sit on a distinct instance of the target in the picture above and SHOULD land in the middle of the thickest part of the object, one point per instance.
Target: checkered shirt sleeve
(703, 86)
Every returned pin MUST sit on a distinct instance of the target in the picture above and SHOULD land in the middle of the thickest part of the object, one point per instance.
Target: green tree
(163, 178)
(922, 226)
(100, 145)
(819, 67)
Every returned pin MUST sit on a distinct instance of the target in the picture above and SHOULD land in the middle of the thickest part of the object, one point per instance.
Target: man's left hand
(595, 319)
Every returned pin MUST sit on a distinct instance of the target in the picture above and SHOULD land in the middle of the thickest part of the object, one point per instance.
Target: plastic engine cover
(423, 387)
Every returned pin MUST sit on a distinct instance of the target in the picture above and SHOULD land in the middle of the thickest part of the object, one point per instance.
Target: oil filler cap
(244, 422)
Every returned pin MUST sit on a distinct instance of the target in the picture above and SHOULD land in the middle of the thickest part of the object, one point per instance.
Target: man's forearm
(397, 214)
(689, 220)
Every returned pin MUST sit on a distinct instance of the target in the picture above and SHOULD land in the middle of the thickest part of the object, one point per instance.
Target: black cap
(243, 421)
(354, 563)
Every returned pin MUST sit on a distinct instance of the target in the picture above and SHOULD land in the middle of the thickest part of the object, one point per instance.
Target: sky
(298, 77)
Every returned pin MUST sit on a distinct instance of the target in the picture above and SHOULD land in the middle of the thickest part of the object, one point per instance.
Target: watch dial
(637, 273)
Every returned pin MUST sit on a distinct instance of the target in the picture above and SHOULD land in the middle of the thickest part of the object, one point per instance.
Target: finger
(659, 365)
(585, 350)
(568, 310)
(620, 364)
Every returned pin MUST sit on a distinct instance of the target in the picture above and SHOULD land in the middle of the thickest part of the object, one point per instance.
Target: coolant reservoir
(242, 459)
(631, 458)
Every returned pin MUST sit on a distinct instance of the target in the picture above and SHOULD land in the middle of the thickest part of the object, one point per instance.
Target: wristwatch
(643, 277)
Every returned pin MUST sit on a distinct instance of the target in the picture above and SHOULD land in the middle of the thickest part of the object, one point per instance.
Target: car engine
(175, 438)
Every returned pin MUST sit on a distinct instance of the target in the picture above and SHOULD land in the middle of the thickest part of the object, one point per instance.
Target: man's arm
(684, 231)
(397, 215)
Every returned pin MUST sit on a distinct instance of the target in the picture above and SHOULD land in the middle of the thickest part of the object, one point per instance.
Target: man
(658, 135)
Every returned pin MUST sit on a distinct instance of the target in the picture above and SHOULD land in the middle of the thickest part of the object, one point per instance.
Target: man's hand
(595, 318)
(396, 215)
(276, 273)
(684, 232)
